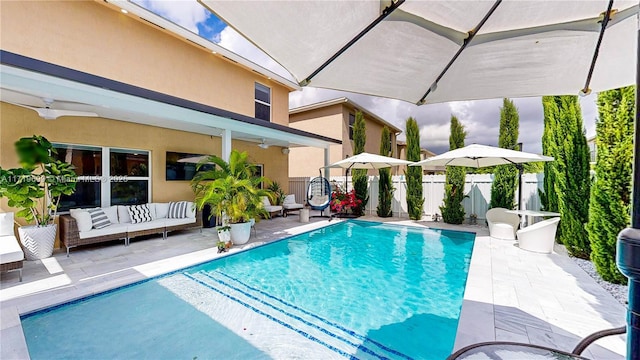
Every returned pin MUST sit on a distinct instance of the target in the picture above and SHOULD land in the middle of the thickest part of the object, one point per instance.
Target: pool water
(356, 289)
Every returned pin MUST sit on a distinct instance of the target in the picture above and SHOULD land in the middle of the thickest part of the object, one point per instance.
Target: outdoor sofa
(11, 255)
(91, 226)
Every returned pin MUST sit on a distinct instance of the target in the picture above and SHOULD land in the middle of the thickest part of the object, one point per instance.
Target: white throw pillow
(289, 199)
(152, 210)
(112, 213)
(123, 215)
(83, 219)
(177, 210)
(191, 210)
(6, 224)
(162, 210)
(139, 213)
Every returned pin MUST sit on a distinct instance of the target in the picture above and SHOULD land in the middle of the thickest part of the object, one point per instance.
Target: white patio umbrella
(477, 156)
(367, 161)
(438, 51)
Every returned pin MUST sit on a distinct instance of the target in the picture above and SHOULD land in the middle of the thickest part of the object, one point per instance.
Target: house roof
(422, 150)
(28, 80)
(348, 102)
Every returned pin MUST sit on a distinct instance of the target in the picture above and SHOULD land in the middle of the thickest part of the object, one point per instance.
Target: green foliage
(548, 196)
(37, 186)
(277, 193)
(452, 210)
(385, 185)
(415, 200)
(230, 188)
(610, 206)
(505, 180)
(359, 176)
(570, 175)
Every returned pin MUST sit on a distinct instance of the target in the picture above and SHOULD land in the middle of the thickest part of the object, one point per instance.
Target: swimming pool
(354, 289)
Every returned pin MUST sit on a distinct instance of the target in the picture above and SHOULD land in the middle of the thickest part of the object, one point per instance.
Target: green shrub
(385, 185)
(452, 210)
(415, 200)
(359, 176)
(505, 179)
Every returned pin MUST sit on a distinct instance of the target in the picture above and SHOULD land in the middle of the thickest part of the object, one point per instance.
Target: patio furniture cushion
(83, 219)
(147, 225)
(177, 210)
(98, 218)
(289, 203)
(161, 210)
(318, 200)
(113, 229)
(174, 222)
(112, 213)
(10, 250)
(139, 213)
(270, 208)
(6, 224)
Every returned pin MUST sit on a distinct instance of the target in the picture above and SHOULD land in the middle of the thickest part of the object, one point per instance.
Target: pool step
(325, 332)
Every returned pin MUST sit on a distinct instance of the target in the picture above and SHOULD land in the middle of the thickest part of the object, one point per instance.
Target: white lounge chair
(11, 255)
(289, 204)
(271, 209)
(539, 237)
(502, 225)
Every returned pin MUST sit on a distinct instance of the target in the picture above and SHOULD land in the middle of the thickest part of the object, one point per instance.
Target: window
(259, 172)
(263, 102)
(87, 161)
(129, 176)
(127, 182)
(352, 121)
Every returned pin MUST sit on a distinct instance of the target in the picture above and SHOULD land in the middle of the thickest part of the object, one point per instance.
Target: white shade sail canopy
(477, 156)
(369, 161)
(541, 47)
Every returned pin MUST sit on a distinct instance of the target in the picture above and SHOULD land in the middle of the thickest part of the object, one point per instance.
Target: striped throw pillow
(99, 219)
(177, 210)
(139, 213)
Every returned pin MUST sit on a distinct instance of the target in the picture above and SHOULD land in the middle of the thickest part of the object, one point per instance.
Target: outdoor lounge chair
(539, 237)
(289, 204)
(271, 209)
(11, 254)
(504, 350)
(502, 225)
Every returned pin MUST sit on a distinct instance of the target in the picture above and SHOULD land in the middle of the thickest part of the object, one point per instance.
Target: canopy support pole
(386, 12)
(605, 21)
(466, 42)
(628, 245)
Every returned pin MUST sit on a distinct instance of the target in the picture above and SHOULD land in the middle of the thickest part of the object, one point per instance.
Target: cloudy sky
(481, 118)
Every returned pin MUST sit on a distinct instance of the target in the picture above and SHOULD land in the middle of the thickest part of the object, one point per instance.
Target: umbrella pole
(628, 245)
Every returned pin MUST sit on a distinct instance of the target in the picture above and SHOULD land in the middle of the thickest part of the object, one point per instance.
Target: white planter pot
(38, 240)
(240, 233)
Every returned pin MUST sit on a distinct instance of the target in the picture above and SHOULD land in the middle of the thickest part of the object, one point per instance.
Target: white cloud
(186, 13)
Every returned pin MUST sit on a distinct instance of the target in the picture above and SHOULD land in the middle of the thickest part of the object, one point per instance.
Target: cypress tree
(360, 178)
(452, 210)
(609, 208)
(413, 174)
(505, 178)
(385, 187)
(548, 196)
(571, 177)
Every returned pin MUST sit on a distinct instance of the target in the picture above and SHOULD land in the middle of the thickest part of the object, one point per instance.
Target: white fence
(477, 190)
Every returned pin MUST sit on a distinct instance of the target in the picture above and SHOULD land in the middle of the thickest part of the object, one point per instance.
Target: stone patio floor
(511, 294)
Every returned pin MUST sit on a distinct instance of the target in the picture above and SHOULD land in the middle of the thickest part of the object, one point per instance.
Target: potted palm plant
(35, 188)
(232, 192)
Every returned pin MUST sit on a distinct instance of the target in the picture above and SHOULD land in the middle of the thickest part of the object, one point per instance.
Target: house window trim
(106, 177)
(256, 83)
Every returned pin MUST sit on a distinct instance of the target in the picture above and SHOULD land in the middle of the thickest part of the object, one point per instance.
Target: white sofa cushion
(113, 229)
(10, 250)
(177, 209)
(6, 224)
(174, 222)
(162, 210)
(123, 215)
(112, 213)
(191, 210)
(155, 224)
(83, 219)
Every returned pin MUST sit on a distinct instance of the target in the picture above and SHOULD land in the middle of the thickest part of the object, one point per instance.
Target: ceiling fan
(48, 113)
(263, 145)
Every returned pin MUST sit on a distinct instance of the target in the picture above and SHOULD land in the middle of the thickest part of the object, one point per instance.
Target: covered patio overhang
(28, 81)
